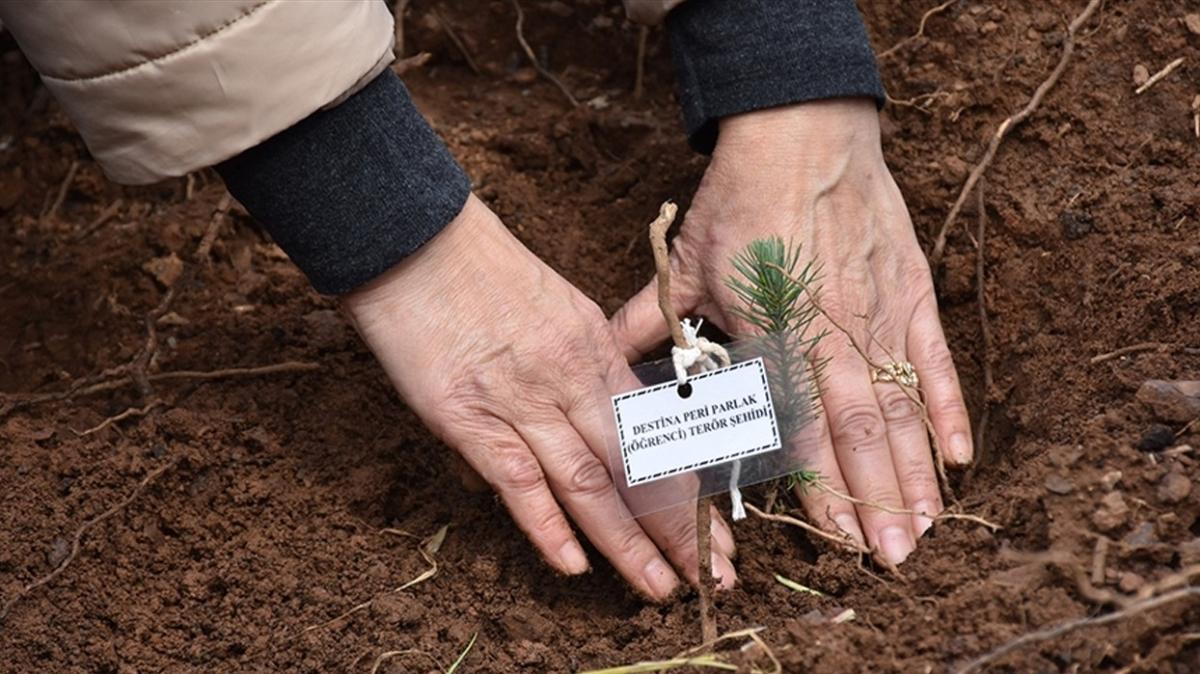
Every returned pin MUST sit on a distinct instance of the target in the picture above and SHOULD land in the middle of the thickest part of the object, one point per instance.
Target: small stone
(1174, 401)
(59, 549)
(1174, 487)
(1156, 438)
(1130, 582)
(1110, 479)
(1057, 484)
(1112, 513)
(1192, 21)
(1142, 536)
(1189, 552)
(1065, 456)
(1140, 75)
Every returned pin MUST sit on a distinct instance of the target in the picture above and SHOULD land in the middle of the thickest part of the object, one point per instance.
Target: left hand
(814, 174)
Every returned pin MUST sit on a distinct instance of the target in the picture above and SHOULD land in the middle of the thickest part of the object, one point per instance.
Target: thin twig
(643, 37)
(662, 265)
(77, 540)
(1158, 76)
(130, 412)
(1133, 348)
(1072, 625)
(534, 59)
(62, 192)
(985, 330)
(104, 216)
(458, 41)
(920, 29)
(1008, 125)
(845, 540)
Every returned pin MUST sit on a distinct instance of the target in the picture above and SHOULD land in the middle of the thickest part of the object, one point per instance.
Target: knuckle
(918, 477)
(629, 543)
(587, 476)
(897, 407)
(939, 363)
(857, 425)
(519, 471)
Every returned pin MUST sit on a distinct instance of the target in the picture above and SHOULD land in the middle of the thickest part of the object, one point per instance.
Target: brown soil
(269, 521)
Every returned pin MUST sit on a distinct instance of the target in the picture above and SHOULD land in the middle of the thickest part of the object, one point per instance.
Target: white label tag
(728, 416)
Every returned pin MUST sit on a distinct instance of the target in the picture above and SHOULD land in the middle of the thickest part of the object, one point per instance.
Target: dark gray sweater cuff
(734, 56)
(350, 191)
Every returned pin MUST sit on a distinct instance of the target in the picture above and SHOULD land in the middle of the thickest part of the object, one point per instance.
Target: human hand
(814, 174)
(506, 362)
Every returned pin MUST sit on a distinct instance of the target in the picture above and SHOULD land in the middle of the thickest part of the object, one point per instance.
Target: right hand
(510, 365)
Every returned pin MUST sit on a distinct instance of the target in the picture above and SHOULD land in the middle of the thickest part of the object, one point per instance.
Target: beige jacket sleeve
(158, 88)
(649, 11)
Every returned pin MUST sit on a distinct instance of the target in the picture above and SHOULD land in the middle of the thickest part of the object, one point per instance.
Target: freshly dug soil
(268, 521)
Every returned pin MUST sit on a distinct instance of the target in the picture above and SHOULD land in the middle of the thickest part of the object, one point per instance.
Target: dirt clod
(1057, 484)
(1174, 401)
(1112, 513)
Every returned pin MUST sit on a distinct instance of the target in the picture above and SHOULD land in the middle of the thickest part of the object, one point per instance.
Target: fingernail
(924, 520)
(572, 557)
(723, 538)
(849, 524)
(659, 578)
(960, 448)
(723, 572)
(895, 544)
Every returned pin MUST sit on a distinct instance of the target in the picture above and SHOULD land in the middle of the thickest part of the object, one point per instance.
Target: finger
(815, 450)
(582, 483)
(864, 455)
(911, 455)
(673, 529)
(939, 381)
(503, 459)
(638, 326)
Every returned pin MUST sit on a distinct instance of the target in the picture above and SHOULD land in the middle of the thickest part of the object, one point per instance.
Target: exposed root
(696, 657)
(639, 77)
(62, 192)
(985, 329)
(920, 30)
(533, 59)
(130, 412)
(1158, 76)
(429, 548)
(1007, 126)
(1072, 625)
(204, 250)
(1140, 348)
(843, 541)
(942, 516)
(458, 41)
(77, 540)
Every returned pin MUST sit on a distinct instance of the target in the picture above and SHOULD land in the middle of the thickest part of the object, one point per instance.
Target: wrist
(453, 255)
(819, 130)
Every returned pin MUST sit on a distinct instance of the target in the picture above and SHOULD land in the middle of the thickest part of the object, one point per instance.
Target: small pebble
(1156, 438)
(1130, 582)
(1142, 536)
(59, 549)
(1173, 401)
(1057, 484)
(1140, 75)
(1110, 479)
(1174, 487)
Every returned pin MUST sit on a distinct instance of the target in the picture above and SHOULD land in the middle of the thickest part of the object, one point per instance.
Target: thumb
(639, 326)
